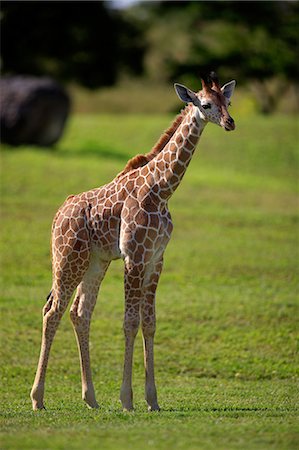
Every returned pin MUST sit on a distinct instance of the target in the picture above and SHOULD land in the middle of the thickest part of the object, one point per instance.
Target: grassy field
(227, 306)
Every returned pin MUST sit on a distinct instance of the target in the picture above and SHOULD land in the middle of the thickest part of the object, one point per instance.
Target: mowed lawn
(227, 303)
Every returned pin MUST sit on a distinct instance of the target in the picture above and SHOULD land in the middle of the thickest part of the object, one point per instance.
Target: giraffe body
(127, 218)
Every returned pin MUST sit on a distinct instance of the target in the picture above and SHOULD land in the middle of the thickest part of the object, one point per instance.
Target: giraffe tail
(48, 304)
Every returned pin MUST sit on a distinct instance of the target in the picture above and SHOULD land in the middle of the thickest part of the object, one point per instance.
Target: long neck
(170, 165)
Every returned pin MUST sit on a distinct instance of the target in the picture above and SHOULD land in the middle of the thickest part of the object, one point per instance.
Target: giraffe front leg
(148, 331)
(126, 391)
(148, 318)
(133, 290)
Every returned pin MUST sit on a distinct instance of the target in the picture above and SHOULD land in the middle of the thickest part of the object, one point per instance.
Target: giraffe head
(212, 101)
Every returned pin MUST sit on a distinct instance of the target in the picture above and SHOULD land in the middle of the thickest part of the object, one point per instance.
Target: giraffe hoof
(92, 405)
(37, 400)
(126, 399)
(128, 410)
(154, 408)
(37, 407)
(88, 396)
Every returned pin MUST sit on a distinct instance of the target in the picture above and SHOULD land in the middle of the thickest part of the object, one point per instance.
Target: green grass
(227, 303)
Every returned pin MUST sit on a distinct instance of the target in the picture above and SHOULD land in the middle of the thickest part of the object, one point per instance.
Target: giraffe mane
(140, 159)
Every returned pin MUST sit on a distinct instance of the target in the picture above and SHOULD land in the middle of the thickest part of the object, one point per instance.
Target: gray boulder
(33, 111)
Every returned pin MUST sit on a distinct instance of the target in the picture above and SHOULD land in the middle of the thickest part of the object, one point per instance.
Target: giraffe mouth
(229, 124)
(229, 127)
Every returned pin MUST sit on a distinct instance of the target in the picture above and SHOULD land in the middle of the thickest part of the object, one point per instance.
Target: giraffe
(127, 218)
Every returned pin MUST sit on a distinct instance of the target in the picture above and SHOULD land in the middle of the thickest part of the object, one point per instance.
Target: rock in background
(33, 110)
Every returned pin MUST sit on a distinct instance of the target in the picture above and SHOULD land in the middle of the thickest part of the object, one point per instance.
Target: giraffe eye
(207, 106)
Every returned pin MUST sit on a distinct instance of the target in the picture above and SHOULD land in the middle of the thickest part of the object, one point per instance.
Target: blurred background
(122, 55)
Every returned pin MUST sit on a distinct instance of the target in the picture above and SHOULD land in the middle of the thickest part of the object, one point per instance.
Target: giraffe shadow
(97, 151)
(93, 150)
(220, 409)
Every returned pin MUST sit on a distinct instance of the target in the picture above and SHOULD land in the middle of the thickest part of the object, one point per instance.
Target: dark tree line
(255, 42)
(83, 42)
(258, 39)
(92, 44)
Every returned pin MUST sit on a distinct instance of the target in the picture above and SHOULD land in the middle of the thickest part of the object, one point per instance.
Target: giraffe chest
(144, 234)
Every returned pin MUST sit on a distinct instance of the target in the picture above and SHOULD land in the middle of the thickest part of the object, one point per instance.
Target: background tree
(83, 42)
(93, 44)
(250, 41)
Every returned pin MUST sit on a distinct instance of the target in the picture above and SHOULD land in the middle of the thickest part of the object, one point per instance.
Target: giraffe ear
(228, 89)
(185, 94)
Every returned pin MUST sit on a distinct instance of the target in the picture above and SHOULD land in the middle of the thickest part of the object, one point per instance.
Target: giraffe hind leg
(64, 283)
(52, 313)
(48, 304)
(80, 313)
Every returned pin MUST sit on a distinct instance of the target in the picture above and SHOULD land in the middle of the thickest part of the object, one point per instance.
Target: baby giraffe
(127, 218)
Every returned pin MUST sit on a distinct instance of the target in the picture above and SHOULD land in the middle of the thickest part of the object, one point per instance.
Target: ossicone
(210, 81)
(215, 81)
(206, 81)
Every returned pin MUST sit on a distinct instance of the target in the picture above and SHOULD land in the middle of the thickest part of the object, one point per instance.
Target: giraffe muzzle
(229, 124)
